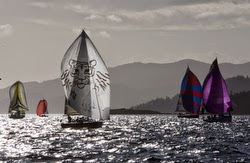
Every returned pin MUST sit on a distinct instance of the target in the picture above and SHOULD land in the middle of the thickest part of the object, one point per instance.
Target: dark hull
(82, 125)
(16, 116)
(188, 115)
(44, 115)
(219, 119)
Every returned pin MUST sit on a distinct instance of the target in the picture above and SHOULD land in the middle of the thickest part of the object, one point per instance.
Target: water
(125, 138)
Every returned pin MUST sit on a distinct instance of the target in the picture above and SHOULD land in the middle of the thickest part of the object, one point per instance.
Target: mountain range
(131, 84)
(239, 88)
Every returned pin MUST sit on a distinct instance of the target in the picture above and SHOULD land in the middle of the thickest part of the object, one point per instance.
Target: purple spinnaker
(216, 98)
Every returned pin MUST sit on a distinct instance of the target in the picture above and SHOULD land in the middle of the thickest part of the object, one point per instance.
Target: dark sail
(191, 92)
(216, 98)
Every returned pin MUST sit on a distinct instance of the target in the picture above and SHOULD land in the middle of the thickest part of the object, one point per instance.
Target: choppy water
(125, 138)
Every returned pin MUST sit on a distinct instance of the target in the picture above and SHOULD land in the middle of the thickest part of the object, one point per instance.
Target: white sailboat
(86, 83)
(18, 102)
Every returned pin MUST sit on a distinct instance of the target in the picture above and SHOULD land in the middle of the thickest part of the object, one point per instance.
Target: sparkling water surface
(125, 138)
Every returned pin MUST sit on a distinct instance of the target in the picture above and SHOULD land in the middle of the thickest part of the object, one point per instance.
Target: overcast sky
(34, 34)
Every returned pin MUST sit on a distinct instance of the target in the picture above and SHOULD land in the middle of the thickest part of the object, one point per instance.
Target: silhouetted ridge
(162, 105)
(235, 85)
(238, 84)
(241, 103)
(132, 111)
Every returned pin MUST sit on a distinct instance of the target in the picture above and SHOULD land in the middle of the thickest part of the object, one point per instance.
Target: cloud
(76, 8)
(82, 9)
(44, 22)
(41, 4)
(104, 34)
(93, 17)
(114, 18)
(206, 15)
(191, 15)
(6, 30)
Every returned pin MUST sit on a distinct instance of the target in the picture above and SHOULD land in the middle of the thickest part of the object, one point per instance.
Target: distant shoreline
(145, 112)
(124, 111)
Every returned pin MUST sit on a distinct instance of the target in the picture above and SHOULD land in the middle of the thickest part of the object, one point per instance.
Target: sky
(35, 34)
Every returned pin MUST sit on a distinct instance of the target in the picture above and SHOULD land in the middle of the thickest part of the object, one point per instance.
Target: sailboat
(216, 98)
(86, 84)
(42, 110)
(18, 102)
(188, 105)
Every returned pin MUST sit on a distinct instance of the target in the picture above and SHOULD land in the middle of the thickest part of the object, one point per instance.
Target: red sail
(41, 107)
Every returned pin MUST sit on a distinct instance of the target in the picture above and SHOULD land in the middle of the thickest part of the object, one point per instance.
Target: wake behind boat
(216, 98)
(18, 102)
(86, 84)
(188, 105)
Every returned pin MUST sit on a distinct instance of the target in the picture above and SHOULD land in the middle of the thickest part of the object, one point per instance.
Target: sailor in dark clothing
(69, 118)
(221, 115)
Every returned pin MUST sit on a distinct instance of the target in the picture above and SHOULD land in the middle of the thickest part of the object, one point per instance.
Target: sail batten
(85, 81)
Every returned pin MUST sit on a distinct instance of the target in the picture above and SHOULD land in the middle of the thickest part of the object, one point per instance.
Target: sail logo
(79, 73)
(102, 81)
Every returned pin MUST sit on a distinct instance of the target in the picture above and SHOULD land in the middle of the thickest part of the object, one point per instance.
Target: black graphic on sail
(85, 80)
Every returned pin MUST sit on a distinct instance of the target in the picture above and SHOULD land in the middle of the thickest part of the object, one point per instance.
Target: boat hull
(16, 116)
(82, 125)
(43, 115)
(219, 119)
(188, 115)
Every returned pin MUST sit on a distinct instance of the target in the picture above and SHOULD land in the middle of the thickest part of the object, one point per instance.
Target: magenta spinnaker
(216, 98)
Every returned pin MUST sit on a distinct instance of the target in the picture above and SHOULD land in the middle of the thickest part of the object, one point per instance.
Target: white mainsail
(18, 100)
(85, 80)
